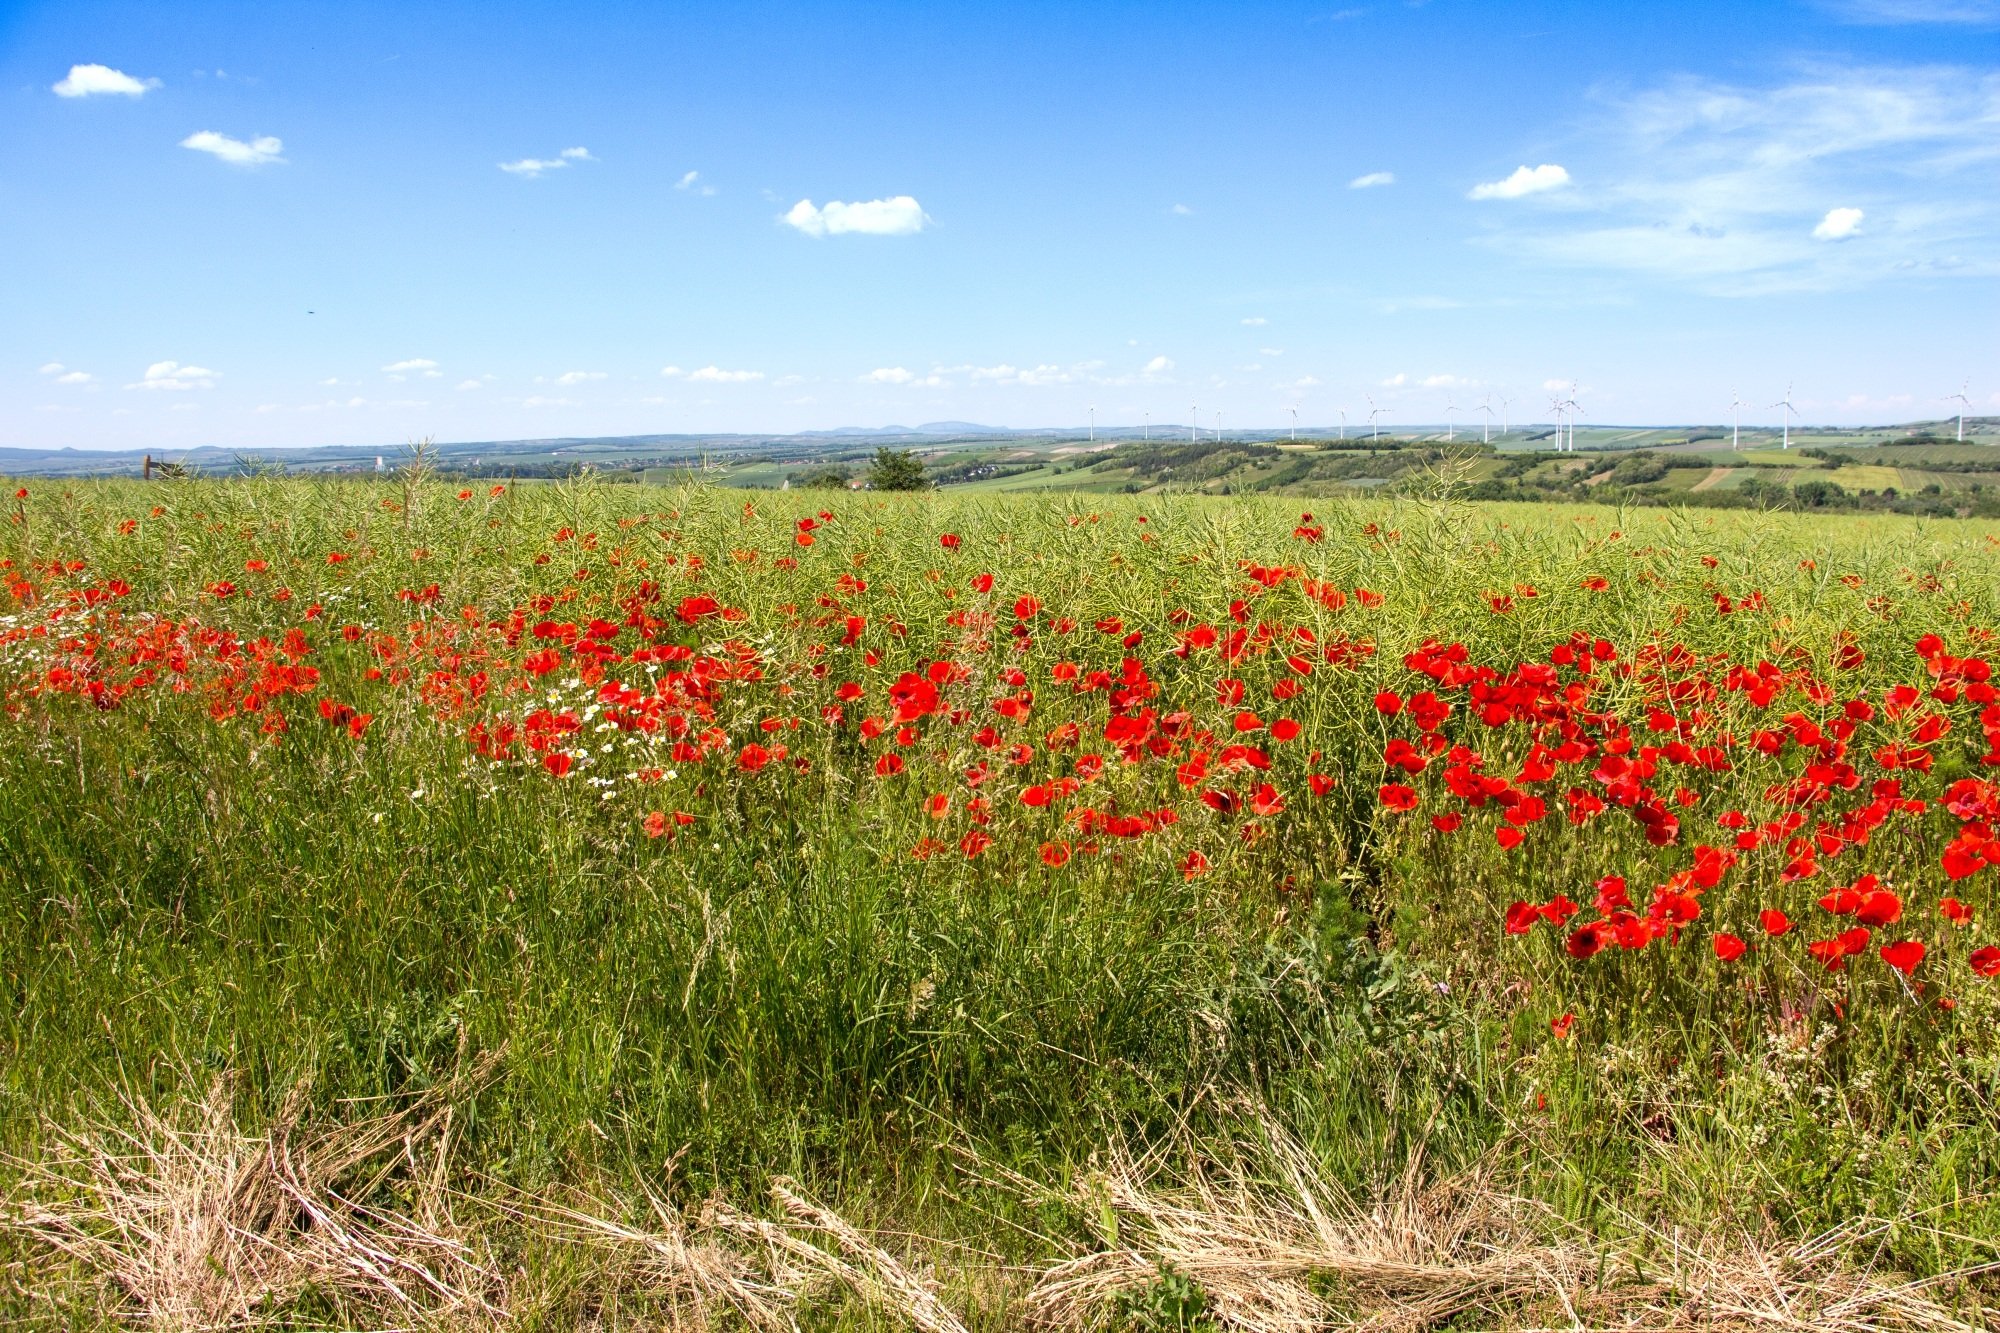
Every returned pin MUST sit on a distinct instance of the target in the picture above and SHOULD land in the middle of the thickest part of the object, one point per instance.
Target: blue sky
(1043, 209)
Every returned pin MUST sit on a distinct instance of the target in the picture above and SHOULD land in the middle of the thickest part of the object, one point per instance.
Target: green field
(435, 904)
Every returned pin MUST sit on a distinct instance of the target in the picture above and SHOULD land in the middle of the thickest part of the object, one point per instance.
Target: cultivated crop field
(576, 905)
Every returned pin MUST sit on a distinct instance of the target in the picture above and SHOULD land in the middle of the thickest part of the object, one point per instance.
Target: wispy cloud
(1254, 321)
(532, 167)
(897, 216)
(712, 375)
(1525, 181)
(172, 376)
(1977, 13)
(101, 81)
(61, 374)
(411, 366)
(1180, 210)
(255, 152)
(570, 377)
(693, 183)
(1724, 187)
(1372, 180)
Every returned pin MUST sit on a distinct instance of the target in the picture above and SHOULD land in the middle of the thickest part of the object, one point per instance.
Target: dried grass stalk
(1276, 1247)
(193, 1223)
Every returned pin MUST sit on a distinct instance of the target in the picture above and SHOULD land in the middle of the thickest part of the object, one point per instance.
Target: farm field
(438, 903)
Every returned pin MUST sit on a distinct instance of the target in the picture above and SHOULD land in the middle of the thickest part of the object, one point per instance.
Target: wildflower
(1904, 955)
(1728, 948)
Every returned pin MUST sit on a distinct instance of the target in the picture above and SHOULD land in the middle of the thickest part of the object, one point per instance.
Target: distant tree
(897, 470)
(823, 479)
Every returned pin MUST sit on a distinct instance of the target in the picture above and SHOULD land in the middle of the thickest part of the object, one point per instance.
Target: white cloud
(888, 375)
(539, 401)
(173, 376)
(101, 80)
(1180, 210)
(256, 153)
(1270, 351)
(717, 375)
(1445, 382)
(1371, 180)
(1305, 382)
(1396, 381)
(532, 167)
(897, 216)
(569, 377)
(52, 368)
(414, 363)
(692, 181)
(1525, 180)
(1255, 321)
(73, 377)
(1555, 386)
(1159, 365)
(464, 386)
(1838, 224)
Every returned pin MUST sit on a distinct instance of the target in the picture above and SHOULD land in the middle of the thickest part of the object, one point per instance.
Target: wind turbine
(1505, 403)
(1343, 423)
(1295, 423)
(1374, 431)
(1218, 423)
(1093, 423)
(1486, 430)
(1146, 431)
(1790, 412)
(1963, 402)
(1450, 429)
(1556, 407)
(1575, 411)
(1194, 417)
(1735, 405)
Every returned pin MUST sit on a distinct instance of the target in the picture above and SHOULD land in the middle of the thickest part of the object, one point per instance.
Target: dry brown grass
(192, 1223)
(189, 1223)
(1276, 1247)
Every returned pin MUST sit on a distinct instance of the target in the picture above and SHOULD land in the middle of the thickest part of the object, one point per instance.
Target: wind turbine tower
(1735, 406)
(1450, 426)
(1194, 422)
(1486, 429)
(1963, 402)
(1343, 423)
(1295, 423)
(1790, 412)
(1374, 431)
(1093, 423)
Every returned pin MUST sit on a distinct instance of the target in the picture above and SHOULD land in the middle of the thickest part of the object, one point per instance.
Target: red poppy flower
(557, 763)
(1904, 955)
(1055, 854)
(975, 842)
(1563, 1026)
(1196, 864)
(1508, 837)
(1266, 801)
(1985, 961)
(1956, 912)
(1396, 796)
(656, 824)
(1447, 823)
(938, 806)
(1320, 783)
(1773, 921)
(1729, 948)
(1388, 703)
(1585, 941)
(1521, 917)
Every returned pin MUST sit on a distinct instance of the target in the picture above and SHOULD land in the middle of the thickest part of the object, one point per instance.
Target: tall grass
(782, 990)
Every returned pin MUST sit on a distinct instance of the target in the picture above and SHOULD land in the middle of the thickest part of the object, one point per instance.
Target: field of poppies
(934, 857)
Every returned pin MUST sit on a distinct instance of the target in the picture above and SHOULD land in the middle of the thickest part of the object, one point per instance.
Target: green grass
(784, 990)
